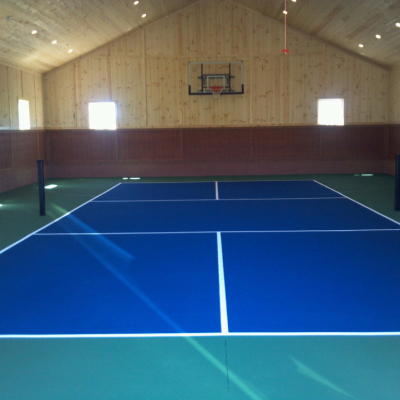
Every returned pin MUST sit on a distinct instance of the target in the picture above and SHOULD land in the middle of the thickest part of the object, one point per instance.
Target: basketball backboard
(207, 77)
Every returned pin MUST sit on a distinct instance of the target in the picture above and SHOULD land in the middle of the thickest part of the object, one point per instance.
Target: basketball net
(216, 91)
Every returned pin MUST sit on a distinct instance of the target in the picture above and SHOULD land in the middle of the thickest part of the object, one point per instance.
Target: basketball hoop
(216, 91)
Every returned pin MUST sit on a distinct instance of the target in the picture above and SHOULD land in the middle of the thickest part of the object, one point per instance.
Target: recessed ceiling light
(360, 45)
(294, 1)
(398, 24)
(144, 16)
(34, 32)
(378, 36)
(54, 42)
(70, 51)
(284, 11)
(135, 3)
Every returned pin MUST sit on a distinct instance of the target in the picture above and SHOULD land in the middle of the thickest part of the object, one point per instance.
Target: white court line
(355, 201)
(205, 232)
(222, 291)
(255, 180)
(172, 335)
(50, 223)
(250, 199)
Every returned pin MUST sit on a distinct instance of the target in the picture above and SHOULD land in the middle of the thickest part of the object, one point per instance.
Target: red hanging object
(285, 50)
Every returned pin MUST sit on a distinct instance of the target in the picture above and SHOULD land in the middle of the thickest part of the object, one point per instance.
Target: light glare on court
(50, 186)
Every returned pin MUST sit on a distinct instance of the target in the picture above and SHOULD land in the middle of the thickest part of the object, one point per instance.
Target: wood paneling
(4, 100)
(219, 151)
(80, 25)
(82, 146)
(14, 85)
(353, 143)
(163, 92)
(394, 95)
(286, 143)
(146, 74)
(60, 104)
(14, 93)
(5, 150)
(393, 141)
(150, 145)
(25, 149)
(129, 90)
(227, 144)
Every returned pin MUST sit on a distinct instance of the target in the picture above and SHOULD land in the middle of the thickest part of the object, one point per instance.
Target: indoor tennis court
(199, 199)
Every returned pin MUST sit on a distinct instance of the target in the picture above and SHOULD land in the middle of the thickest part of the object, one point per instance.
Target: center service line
(222, 292)
(221, 279)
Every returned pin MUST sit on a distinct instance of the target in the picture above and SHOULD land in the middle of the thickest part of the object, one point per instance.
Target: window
(330, 112)
(23, 115)
(102, 116)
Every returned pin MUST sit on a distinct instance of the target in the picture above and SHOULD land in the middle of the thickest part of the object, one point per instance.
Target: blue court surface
(206, 258)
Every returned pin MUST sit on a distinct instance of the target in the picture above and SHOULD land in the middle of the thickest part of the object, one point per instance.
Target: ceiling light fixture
(294, 1)
(398, 24)
(284, 11)
(135, 3)
(34, 32)
(54, 42)
(378, 36)
(144, 16)
(70, 51)
(360, 45)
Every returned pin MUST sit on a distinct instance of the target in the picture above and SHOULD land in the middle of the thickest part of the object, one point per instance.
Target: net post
(397, 185)
(42, 200)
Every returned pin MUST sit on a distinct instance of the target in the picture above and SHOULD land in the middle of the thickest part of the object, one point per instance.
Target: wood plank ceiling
(83, 25)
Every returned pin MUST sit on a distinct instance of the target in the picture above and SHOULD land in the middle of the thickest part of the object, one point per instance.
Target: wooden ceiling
(83, 25)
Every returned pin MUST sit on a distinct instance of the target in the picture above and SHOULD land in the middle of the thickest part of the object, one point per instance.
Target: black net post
(397, 185)
(42, 200)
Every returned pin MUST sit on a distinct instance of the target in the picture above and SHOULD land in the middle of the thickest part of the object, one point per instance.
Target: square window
(23, 115)
(102, 115)
(330, 111)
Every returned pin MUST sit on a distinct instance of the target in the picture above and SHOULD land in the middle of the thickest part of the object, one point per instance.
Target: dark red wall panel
(353, 142)
(286, 143)
(5, 150)
(217, 144)
(393, 141)
(25, 148)
(83, 146)
(150, 145)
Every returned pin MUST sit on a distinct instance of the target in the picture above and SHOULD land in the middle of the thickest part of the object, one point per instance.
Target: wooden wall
(218, 151)
(394, 94)
(146, 73)
(19, 150)
(16, 84)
